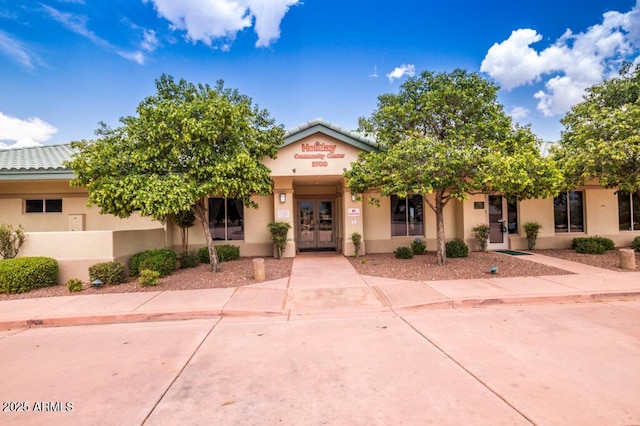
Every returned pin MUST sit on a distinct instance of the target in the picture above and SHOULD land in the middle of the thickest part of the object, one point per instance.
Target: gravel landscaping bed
(234, 273)
(425, 268)
(609, 260)
(420, 268)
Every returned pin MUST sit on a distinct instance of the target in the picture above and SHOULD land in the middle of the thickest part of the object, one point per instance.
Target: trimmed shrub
(418, 246)
(481, 235)
(189, 259)
(404, 253)
(107, 272)
(592, 245)
(456, 248)
(606, 242)
(588, 245)
(227, 252)
(531, 230)
(635, 244)
(23, 274)
(148, 278)
(74, 285)
(203, 255)
(162, 260)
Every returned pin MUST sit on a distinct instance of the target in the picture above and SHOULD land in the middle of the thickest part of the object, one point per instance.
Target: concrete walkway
(325, 284)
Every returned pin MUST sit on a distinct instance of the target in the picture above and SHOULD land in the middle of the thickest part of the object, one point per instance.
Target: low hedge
(162, 260)
(22, 274)
(592, 245)
(635, 244)
(108, 272)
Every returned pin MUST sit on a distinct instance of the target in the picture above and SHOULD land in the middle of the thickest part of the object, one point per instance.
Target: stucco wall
(336, 161)
(76, 251)
(601, 211)
(74, 200)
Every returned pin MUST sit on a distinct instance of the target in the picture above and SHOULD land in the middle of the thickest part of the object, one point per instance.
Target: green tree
(445, 136)
(601, 138)
(186, 142)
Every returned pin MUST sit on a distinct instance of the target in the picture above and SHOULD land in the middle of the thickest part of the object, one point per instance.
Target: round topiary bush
(635, 244)
(403, 253)
(456, 248)
(162, 260)
(23, 274)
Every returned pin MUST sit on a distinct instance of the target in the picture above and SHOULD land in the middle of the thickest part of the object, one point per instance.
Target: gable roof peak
(319, 125)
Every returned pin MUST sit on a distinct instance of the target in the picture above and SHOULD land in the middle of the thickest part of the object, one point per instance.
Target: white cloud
(75, 23)
(402, 71)
(269, 15)
(216, 22)
(136, 56)
(519, 112)
(16, 50)
(150, 41)
(79, 25)
(568, 66)
(29, 132)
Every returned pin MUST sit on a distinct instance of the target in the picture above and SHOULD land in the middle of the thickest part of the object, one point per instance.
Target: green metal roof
(319, 125)
(38, 162)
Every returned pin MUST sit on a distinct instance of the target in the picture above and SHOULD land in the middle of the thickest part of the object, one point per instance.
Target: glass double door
(316, 224)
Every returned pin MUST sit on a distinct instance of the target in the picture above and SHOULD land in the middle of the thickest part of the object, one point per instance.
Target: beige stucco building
(309, 192)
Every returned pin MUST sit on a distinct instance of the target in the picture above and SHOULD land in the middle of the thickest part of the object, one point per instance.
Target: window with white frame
(407, 216)
(226, 219)
(628, 211)
(39, 205)
(568, 211)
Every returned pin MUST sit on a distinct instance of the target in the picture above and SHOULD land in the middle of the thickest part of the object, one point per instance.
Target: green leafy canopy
(601, 138)
(445, 134)
(186, 142)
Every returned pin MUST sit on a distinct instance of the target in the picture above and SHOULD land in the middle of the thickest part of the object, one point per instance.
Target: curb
(436, 305)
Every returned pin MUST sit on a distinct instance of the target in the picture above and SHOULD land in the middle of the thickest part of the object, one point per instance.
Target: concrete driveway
(540, 364)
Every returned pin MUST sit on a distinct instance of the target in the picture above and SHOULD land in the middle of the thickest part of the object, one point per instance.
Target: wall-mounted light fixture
(354, 197)
(283, 197)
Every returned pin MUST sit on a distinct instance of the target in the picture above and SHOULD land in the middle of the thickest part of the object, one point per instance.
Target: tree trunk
(441, 253)
(202, 217)
(184, 234)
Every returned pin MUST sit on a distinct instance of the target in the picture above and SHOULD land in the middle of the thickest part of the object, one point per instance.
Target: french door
(316, 224)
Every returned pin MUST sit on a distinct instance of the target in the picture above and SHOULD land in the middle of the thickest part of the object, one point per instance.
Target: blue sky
(66, 65)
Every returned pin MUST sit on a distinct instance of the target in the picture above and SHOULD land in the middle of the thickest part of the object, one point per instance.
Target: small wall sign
(478, 205)
(353, 211)
(283, 213)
